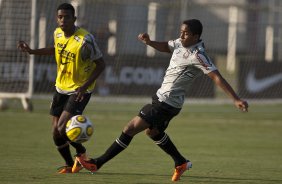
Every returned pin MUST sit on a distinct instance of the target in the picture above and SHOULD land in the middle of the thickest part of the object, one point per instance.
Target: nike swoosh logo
(142, 113)
(256, 85)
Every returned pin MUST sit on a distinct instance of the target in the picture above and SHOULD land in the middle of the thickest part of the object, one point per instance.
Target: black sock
(80, 149)
(119, 145)
(64, 150)
(66, 154)
(164, 142)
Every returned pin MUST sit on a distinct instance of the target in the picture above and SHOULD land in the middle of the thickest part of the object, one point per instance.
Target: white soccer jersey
(186, 64)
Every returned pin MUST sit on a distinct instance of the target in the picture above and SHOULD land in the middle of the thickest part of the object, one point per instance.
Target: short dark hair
(66, 6)
(195, 26)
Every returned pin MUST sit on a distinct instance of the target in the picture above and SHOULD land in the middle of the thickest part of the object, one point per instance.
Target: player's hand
(145, 38)
(24, 47)
(80, 94)
(242, 105)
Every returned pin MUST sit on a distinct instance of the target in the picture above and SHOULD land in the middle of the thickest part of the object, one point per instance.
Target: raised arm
(24, 47)
(222, 83)
(160, 46)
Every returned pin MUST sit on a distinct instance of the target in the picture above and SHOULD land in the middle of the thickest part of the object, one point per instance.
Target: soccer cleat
(179, 170)
(88, 164)
(76, 166)
(65, 169)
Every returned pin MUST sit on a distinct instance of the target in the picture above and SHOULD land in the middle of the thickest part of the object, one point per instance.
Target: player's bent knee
(61, 128)
(148, 132)
(59, 141)
(135, 126)
(152, 132)
(129, 130)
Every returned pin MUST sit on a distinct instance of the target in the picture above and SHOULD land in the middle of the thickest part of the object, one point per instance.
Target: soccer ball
(79, 129)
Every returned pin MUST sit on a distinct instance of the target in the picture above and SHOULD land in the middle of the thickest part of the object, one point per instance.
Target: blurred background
(243, 38)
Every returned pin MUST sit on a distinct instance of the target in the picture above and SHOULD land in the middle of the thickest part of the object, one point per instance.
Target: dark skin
(188, 39)
(66, 21)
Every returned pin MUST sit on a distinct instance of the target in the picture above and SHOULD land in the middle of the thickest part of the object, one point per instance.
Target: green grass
(225, 146)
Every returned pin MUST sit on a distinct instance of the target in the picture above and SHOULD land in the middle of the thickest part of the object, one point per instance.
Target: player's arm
(90, 50)
(160, 46)
(100, 66)
(223, 84)
(24, 47)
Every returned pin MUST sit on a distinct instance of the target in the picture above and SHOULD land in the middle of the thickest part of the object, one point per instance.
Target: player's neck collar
(72, 32)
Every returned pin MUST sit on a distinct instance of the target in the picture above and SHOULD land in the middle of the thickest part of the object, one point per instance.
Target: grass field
(225, 146)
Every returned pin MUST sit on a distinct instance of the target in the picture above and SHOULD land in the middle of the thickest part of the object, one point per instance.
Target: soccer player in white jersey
(79, 64)
(188, 62)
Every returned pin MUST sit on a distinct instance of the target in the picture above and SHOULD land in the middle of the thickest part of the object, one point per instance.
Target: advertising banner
(123, 76)
(260, 79)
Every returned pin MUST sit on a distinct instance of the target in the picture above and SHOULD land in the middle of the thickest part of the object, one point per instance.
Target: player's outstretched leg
(119, 145)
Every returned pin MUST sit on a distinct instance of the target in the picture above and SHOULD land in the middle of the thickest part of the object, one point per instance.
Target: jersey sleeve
(171, 45)
(90, 49)
(204, 63)
(174, 44)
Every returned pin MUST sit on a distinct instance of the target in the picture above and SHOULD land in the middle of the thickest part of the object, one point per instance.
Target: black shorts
(158, 114)
(62, 102)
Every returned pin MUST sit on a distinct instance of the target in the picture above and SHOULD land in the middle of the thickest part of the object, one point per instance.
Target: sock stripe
(163, 139)
(121, 143)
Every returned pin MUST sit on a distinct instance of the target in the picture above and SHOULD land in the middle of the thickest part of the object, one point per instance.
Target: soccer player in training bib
(79, 63)
(189, 61)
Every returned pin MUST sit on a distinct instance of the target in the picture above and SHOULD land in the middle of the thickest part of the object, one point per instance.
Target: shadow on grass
(196, 179)
(217, 179)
